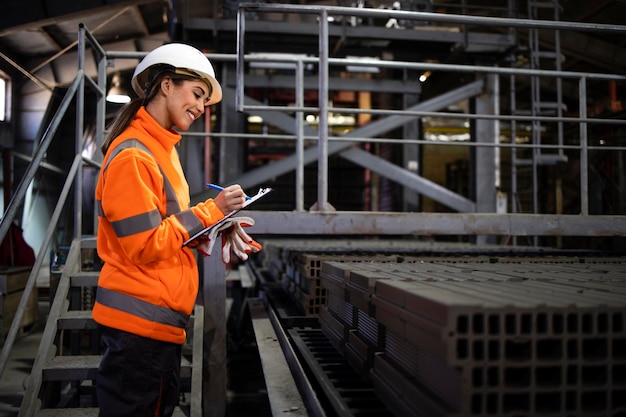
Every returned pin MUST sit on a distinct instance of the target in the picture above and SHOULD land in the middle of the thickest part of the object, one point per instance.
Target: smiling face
(186, 102)
(179, 102)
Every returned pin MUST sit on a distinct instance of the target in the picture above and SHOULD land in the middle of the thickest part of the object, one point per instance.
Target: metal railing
(324, 62)
(75, 91)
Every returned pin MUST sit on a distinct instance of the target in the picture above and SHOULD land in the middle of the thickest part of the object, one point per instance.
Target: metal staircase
(63, 377)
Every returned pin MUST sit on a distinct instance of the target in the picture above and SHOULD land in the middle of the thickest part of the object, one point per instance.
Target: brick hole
(477, 404)
(572, 375)
(494, 324)
(462, 324)
(594, 375)
(478, 325)
(493, 376)
(478, 350)
(542, 323)
(619, 374)
(572, 323)
(518, 350)
(558, 326)
(517, 377)
(571, 400)
(594, 349)
(547, 402)
(548, 376)
(494, 350)
(492, 404)
(527, 324)
(619, 348)
(618, 323)
(572, 349)
(462, 349)
(587, 323)
(515, 402)
(618, 399)
(594, 401)
(510, 324)
(548, 349)
(477, 377)
(603, 323)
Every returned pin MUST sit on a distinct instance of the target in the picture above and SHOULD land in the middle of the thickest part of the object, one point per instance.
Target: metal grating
(345, 391)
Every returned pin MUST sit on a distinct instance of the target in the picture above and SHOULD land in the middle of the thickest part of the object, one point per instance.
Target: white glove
(237, 240)
(233, 238)
(205, 247)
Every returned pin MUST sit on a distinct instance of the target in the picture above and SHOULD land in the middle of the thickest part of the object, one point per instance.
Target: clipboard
(262, 192)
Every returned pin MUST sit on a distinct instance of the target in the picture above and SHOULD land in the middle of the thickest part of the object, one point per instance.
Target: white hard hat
(182, 57)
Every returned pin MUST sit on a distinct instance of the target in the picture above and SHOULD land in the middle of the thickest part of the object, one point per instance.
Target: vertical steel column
(299, 136)
(559, 81)
(214, 393)
(78, 144)
(100, 121)
(584, 162)
(241, 27)
(487, 158)
(322, 146)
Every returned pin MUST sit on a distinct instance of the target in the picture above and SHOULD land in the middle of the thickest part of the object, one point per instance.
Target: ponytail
(121, 122)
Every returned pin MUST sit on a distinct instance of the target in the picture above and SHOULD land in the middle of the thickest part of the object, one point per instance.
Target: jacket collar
(167, 138)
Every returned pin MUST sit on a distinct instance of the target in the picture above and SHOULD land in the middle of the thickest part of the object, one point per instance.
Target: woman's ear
(166, 85)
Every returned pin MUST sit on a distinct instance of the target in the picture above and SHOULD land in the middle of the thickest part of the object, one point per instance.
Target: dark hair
(127, 113)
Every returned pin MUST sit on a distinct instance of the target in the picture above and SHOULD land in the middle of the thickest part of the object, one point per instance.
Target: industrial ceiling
(32, 33)
(38, 41)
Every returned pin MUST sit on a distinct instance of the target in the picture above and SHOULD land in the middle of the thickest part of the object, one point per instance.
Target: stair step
(76, 320)
(85, 279)
(85, 412)
(65, 368)
(88, 242)
(81, 367)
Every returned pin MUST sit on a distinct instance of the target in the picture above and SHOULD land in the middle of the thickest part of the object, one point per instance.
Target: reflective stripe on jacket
(149, 282)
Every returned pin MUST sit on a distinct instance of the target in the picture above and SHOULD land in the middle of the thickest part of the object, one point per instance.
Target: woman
(149, 282)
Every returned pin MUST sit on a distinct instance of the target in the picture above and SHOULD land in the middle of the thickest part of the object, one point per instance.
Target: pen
(218, 188)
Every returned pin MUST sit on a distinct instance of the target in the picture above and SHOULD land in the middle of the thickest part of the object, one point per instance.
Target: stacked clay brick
(497, 336)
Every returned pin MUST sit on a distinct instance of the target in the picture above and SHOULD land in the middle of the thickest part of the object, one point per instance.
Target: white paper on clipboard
(262, 192)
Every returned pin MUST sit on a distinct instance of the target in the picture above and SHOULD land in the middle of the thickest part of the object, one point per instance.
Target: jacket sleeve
(134, 202)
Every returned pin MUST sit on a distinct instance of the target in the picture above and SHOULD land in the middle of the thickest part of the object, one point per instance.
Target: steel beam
(433, 224)
(409, 179)
(488, 42)
(263, 174)
(334, 84)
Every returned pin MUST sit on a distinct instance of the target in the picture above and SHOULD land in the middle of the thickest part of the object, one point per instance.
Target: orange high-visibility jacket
(149, 282)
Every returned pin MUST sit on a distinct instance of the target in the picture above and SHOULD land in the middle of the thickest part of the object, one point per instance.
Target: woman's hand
(230, 198)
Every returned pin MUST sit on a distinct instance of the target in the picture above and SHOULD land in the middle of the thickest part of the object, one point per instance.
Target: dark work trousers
(137, 376)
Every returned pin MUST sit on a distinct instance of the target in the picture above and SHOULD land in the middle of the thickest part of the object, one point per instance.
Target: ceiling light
(117, 93)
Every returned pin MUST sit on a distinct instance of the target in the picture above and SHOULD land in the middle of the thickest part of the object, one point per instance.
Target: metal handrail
(41, 255)
(76, 90)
